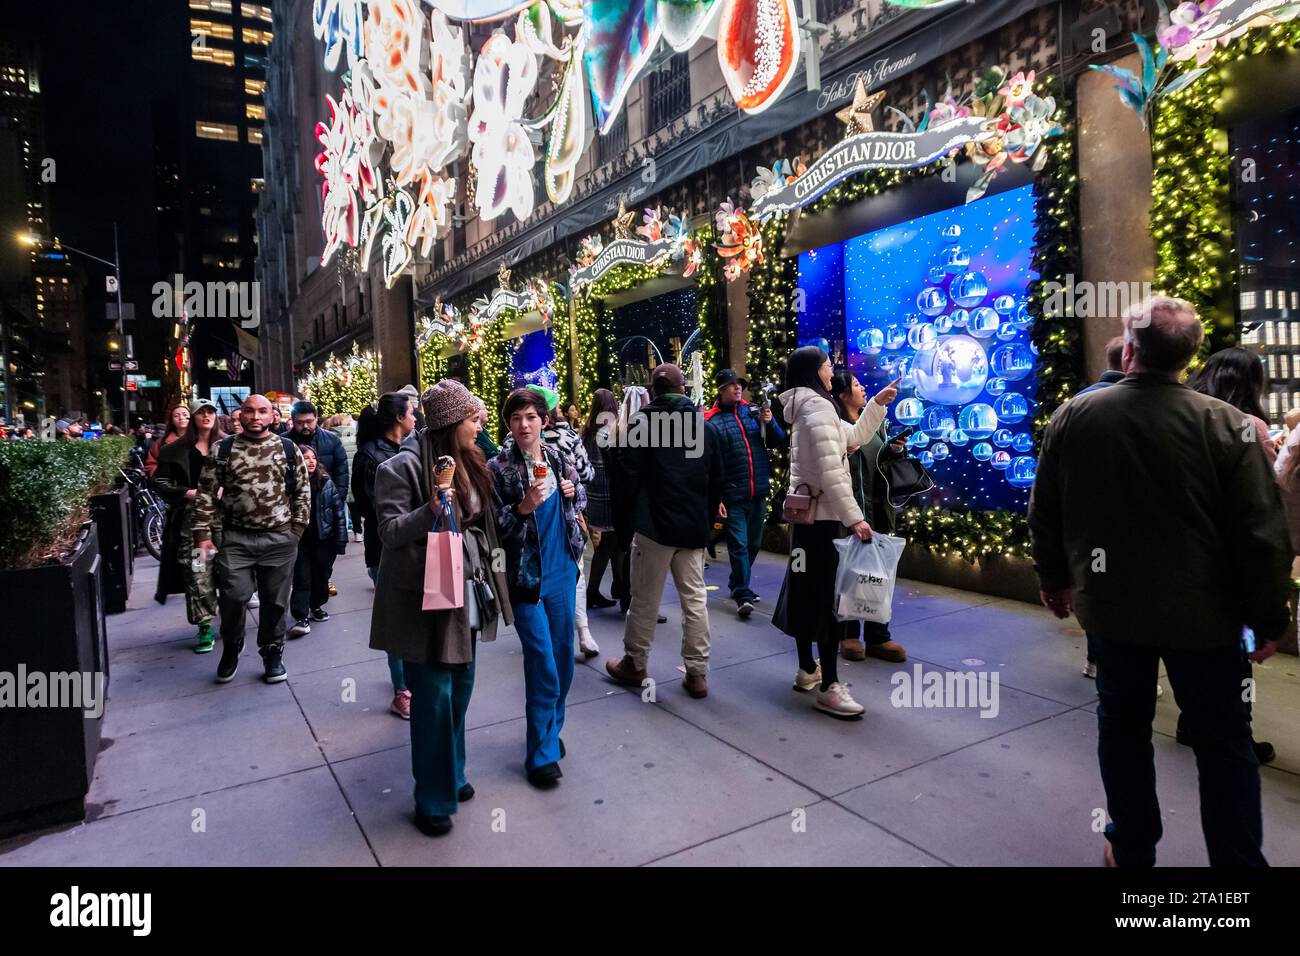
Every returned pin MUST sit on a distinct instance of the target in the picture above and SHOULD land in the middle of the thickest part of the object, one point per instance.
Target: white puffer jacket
(819, 444)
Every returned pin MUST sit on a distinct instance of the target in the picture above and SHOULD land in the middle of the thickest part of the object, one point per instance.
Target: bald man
(256, 485)
(1156, 519)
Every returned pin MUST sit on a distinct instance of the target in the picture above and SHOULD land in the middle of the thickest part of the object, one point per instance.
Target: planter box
(112, 514)
(54, 625)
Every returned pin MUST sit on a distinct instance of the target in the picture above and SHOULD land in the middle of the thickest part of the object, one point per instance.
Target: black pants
(606, 554)
(806, 606)
(311, 577)
(1207, 688)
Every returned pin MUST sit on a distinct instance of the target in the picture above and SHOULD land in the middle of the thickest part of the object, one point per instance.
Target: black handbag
(487, 601)
(905, 477)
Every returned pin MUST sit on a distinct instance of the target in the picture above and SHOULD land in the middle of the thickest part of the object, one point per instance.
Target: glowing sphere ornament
(955, 260)
(1013, 361)
(937, 274)
(871, 341)
(909, 411)
(978, 420)
(943, 324)
(894, 337)
(958, 438)
(1007, 332)
(959, 318)
(931, 301)
(1022, 471)
(919, 440)
(1000, 460)
(952, 231)
(922, 336)
(951, 371)
(1011, 408)
(983, 323)
(1005, 304)
(1002, 437)
(1024, 442)
(911, 319)
(1022, 317)
(969, 289)
(938, 421)
(996, 386)
(940, 451)
(982, 452)
(820, 343)
(926, 459)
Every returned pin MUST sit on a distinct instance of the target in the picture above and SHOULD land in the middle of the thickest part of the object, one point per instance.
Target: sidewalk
(249, 774)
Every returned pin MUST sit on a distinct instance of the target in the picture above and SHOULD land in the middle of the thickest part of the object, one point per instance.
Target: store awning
(915, 39)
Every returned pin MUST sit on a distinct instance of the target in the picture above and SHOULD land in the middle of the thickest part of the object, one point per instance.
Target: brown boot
(697, 685)
(624, 673)
(891, 651)
(852, 649)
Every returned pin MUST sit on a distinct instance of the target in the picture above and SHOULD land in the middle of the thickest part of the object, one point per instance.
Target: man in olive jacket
(1156, 518)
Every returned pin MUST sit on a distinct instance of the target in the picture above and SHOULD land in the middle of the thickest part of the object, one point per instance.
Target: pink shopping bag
(444, 573)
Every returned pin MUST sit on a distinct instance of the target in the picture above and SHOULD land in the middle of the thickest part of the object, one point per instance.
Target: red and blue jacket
(743, 449)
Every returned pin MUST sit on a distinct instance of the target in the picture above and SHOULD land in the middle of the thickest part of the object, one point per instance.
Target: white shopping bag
(864, 581)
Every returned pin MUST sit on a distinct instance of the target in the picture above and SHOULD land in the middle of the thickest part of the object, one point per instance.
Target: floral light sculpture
(739, 242)
(339, 23)
(504, 78)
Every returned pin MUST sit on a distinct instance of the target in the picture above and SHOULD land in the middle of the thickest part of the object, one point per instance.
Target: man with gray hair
(1156, 519)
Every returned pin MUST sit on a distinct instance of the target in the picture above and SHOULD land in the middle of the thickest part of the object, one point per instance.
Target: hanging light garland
(346, 384)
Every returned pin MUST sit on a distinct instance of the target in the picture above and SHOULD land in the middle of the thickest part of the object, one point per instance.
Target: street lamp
(31, 239)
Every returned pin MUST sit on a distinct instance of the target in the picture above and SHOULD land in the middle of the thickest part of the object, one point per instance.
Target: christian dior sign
(875, 149)
(619, 252)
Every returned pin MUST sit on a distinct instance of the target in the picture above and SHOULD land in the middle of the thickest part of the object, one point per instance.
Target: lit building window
(254, 87)
(255, 111)
(255, 11)
(1268, 298)
(215, 6)
(226, 132)
(256, 185)
(1247, 301)
(213, 54)
(209, 28)
(254, 134)
(257, 36)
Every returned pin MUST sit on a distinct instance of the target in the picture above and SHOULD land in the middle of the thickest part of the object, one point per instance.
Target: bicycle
(149, 512)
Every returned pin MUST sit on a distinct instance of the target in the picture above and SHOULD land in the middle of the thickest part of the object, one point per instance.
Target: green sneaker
(205, 640)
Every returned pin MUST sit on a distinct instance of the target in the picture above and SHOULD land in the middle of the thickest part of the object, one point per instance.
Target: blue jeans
(439, 698)
(546, 633)
(1207, 688)
(744, 529)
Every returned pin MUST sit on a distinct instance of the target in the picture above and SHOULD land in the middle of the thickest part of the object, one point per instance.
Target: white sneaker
(586, 643)
(1090, 670)
(358, 537)
(805, 681)
(837, 701)
(255, 601)
(299, 629)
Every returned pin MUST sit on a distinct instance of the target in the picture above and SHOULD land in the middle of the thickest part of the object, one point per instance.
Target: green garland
(710, 305)
(1191, 220)
(774, 334)
(433, 363)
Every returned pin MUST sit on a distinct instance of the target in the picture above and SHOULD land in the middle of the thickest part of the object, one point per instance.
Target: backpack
(290, 450)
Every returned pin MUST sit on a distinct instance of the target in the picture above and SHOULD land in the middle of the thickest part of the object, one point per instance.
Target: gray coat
(398, 624)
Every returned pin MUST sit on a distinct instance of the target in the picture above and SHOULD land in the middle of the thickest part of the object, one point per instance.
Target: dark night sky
(103, 66)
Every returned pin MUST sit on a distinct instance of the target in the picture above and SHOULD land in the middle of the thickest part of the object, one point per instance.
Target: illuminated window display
(941, 301)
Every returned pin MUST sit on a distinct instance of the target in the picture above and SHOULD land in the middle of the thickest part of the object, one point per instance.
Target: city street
(192, 773)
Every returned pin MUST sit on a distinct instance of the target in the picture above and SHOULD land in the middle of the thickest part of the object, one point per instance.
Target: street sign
(131, 365)
(138, 379)
(131, 386)
(151, 383)
(111, 283)
(128, 311)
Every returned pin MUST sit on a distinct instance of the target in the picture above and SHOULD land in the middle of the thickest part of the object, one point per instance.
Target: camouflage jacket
(253, 493)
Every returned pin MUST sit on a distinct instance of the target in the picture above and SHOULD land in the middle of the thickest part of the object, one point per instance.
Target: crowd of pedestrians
(1158, 518)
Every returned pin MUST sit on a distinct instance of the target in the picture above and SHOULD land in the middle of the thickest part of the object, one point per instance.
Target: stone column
(394, 325)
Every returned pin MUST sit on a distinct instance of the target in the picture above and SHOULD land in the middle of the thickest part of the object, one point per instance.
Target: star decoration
(857, 115)
(623, 222)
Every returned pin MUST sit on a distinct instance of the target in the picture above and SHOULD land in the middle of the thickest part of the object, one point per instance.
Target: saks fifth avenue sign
(873, 76)
(874, 149)
(622, 252)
